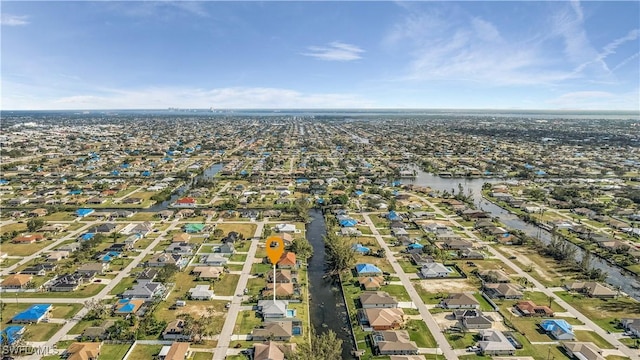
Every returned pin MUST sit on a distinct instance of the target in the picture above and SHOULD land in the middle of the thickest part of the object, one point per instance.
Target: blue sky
(520, 55)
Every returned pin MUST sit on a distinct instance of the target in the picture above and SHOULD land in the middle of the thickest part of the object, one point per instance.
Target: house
(146, 291)
(350, 231)
(181, 248)
(146, 275)
(631, 325)
(93, 268)
(286, 228)
(105, 228)
(529, 308)
(592, 289)
(377, 299)
(494, 276)
(582, 350)
(233, 236)
(275, 330)
(454, 243)
(421, 259)
(503, 291)
(177, 351)
(97, 332)
(11, 334)
(71, 247)
(361, 249)
(67, 282)
(34, 314)
(470, 254)
(494, 343)
(207, 272)
(38, 212)
(84, 212)
(185, 202)
(175, 331)
(368, 270)
(371, 282)
(192, 228)
(226, 249)
(16, 281)
(460, 301)
(201, 292)
(393, 343)
(287, 261)
(40, 269)
(28, 239)
(558, 329)
(214, 260)
(271, 350)
(273, 309)
(127, 306)
(381, 318)
(283, 290)
(83, 351)
(434, 270)
(283, 276)
(160, 260)
(473, 319)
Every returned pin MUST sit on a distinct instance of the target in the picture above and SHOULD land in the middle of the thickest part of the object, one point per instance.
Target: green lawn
(236, 357)
(145, 351)
(65, 311)
(590, 336)
(202, 356)
(83, 292)
(238, 257)
(226, 286)
(460, 340)
(398, 291)
(246, 321)
(41, 331)
(123, 285)
(419, 333)
(80, 326)
(114, 351)
(23, 249)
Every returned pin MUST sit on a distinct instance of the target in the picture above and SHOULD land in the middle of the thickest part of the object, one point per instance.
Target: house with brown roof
(529, 308)
(503, 291)
(273, 330)
(207, 272)
(177, 351)
(377, 299)
(83, 351)
(271, 350)
(283, 291)
(287, 261)
(381, 318)
(181, 237)
(16, 281)
(28, 238)
(592, 289)
(175, 331)
(494, 276)
(460, 301)
(283, 276)
(393, 343)
(38, 212)
(371, 283)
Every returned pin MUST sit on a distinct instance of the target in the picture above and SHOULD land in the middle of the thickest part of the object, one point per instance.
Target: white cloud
(162, 98)
(335, 51)
(597, 100)
(626, 61)
(13, 20)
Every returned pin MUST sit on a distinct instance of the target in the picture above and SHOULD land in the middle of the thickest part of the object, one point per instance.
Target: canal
(327, 307)
(615, 277)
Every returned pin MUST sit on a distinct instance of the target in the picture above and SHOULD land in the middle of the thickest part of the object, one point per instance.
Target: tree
(340, 255)
(301, 207)
(167, 272)
(96, 311)
(325, 346)
(34, 224)
(302, 248)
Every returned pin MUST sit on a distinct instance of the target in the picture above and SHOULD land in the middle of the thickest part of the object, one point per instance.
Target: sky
(565, 55)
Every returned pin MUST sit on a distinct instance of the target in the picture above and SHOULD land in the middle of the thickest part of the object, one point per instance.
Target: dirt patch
(522, 257)
(198, 311)
(445, 320)
(447, 286)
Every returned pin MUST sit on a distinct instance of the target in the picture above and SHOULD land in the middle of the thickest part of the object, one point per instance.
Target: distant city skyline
(543, 55)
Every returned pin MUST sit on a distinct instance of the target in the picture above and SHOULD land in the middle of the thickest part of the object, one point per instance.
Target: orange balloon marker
(275, 248)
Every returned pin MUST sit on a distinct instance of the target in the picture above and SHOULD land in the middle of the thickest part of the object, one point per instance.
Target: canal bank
(615, 276)
(327, 308)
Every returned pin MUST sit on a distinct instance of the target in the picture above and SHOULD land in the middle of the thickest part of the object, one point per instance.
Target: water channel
(327, 308)
(615, 277)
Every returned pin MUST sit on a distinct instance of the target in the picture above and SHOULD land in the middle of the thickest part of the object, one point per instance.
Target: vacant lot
(447, 286)
(602, 311)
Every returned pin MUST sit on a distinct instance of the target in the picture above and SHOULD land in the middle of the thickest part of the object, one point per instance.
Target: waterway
(615, 277)
(327, 308)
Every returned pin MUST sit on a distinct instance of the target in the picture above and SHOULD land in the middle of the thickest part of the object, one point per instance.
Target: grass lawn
(65, 311)
(530, 328)
(80, 326)
(41, 331)
(59, 216)
(428, 297)
(24, 249)
(238, 257)
(145, 351)
(261, 268)
(398, 291)
(246, 321)
(226, 286)
(590, 336)
(83, 292)
(461, 341)
(235, 267)
(143, 216)
(255, 285)
(236, 357)
(247, 230)
(113, 351)
(419, 333)
(123, 285)
(602, 311)
(202, 356)
(13, 227)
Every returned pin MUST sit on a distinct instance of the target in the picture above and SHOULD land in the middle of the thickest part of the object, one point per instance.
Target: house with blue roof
(559, 329)
(74, 192)
(368, 270)
(127, 306)
(348, 222)
(87, 236)
(34, 314)
(360, 249)
(12, 333)
(84, 212)
(415, 246)
(393, 216)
